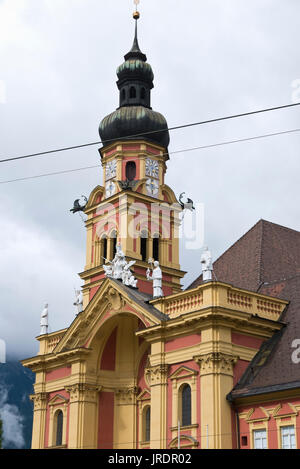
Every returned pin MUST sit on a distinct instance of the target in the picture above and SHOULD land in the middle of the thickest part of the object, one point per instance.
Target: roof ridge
(280, 226)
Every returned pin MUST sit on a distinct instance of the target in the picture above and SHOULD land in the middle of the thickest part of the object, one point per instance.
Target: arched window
(104, 250)
(143, 93)
(114, 243)
(144, 245)
(147, 422)
(186, 405)
(123, 94)
(132, 92)
(130, 170)
(156, 248)
(59, 420)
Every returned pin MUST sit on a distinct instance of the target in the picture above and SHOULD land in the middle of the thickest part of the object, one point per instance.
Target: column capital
(157, 374)
(216, 363)
(127, 395)
(40, 400)
(83, 392)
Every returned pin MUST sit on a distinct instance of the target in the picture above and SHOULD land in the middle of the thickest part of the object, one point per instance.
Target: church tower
(136, 370)
(134, 207)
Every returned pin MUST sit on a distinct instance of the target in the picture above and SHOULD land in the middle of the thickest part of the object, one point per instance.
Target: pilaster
(157, 377)
(39, 419)
(216, 381)
(83, 415)
(125, 418)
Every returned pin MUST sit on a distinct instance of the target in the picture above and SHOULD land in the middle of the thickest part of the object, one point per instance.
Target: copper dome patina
(135, 118)
(135, 122)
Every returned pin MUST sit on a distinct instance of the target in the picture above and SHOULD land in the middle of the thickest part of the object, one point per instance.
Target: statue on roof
(156, 278)
(207, 267)
(119, 269)
(78, 302)
(44, 320)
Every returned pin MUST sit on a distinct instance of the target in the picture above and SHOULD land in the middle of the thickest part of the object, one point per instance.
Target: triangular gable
(58, 400)
(183, 372)
(144, 395)
(111, 299)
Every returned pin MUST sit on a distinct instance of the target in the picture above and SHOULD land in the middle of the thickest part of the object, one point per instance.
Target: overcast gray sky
(58, 62)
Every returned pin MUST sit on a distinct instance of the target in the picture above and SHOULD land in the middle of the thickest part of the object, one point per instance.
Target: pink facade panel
(106, 420)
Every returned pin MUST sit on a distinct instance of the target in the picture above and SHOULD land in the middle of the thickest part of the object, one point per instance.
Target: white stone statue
(156, 277)
(207, 267)
(127, 276)
(44, 320)
(119, 269)
(118, 263)
(78, 302)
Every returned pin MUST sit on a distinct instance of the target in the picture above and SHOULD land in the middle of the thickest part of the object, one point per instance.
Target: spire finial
(135, 52)
(136, 14)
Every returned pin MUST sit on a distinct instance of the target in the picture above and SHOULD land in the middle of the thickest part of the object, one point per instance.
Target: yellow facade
(80, 347)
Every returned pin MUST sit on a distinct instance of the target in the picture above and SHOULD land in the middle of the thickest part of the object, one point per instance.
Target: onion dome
(135, 118)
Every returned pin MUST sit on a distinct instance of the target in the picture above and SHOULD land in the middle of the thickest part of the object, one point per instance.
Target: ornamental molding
(39, 400)
(183, 372)
(145, 395)
(114, 299)
(253, 417)
(126, 396)
(157, 374)
(82, 392)
(216, 363)
(185, 440)
(58, 399)
(279, 413)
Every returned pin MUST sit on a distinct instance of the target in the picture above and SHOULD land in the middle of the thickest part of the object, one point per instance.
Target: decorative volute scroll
(216, 363)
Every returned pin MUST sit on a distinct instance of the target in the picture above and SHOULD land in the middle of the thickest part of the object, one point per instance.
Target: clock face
(152, 168)
(110, 189)
(152, 187)
(111, 169)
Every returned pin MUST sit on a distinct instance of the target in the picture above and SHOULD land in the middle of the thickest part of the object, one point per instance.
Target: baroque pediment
(183, 372)
(58, 400)
(111, 299)
(144, 395)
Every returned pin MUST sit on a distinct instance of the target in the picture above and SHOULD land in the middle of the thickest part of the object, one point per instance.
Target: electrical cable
(184, 126)
(203, 147)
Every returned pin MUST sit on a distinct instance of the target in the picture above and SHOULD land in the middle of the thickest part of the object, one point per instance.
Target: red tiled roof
(266, 253)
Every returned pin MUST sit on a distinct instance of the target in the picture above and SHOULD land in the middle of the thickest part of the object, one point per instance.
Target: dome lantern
(135, 115)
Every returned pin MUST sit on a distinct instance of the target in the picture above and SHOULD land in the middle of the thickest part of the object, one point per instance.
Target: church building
(146, 364)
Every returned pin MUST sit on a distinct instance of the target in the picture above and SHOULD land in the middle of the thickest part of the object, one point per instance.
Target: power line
(203, 147)
(184, 126)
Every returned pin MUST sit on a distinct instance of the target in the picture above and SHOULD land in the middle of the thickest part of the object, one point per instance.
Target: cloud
(58, 61)
(34, 269)
(12, 422)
